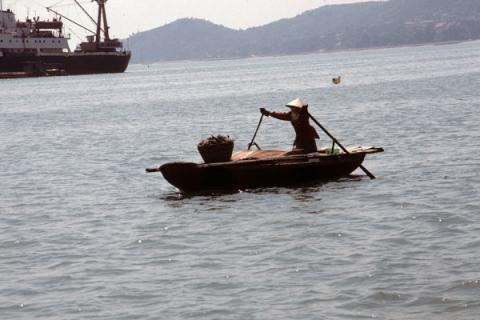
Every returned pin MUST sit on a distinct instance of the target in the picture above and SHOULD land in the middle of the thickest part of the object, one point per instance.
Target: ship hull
(93, 63)
(29, 63)
(65, 64)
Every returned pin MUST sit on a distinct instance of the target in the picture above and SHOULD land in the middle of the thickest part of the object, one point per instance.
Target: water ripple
(86, 234)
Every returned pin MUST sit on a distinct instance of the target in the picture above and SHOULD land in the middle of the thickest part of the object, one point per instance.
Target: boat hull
(30, 63)
(65, 63)
(247, 174)
(77, 64)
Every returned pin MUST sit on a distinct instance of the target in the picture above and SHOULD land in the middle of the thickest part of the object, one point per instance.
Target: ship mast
(100, 39)
(102, 14)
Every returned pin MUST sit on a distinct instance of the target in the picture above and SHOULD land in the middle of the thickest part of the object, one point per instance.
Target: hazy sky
(129, 16)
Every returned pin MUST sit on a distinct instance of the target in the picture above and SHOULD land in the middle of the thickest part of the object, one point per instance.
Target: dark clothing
(305, 133)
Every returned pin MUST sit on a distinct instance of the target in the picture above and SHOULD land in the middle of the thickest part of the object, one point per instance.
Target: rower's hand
(264, 112)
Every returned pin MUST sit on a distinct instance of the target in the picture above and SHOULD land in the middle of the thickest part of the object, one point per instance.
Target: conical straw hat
(297, 103)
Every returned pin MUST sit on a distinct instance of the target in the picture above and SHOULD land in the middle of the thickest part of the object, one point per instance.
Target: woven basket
(221, 152)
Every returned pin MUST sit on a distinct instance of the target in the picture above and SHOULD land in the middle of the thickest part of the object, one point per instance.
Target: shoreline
(425, 44)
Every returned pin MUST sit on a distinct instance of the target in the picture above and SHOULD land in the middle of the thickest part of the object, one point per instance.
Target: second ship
(39, 48)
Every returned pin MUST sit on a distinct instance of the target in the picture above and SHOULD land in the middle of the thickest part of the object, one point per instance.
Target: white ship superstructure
(31, 36)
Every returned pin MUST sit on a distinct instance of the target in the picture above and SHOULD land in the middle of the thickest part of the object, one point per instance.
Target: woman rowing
(299, 117)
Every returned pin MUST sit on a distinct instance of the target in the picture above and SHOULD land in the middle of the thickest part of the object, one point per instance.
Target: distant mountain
(351, 26)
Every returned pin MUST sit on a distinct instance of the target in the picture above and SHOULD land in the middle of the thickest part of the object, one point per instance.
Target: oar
(340, 145)
(255, 135)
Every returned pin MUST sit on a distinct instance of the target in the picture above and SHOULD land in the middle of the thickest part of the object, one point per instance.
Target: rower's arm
(285, 116)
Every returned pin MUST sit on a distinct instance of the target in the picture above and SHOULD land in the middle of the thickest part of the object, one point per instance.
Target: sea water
(85, 233)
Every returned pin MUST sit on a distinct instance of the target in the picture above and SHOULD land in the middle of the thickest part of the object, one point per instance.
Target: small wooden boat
(264, 168)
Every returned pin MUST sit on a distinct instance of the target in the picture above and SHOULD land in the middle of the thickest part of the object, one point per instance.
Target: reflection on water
(300, 192)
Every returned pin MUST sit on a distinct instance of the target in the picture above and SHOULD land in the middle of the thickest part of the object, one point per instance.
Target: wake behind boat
(36, 47)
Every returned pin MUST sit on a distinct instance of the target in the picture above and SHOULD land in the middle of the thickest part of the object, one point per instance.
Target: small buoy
(337, 80)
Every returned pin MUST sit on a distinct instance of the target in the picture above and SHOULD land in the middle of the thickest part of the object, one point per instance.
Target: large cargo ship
(37, 47)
